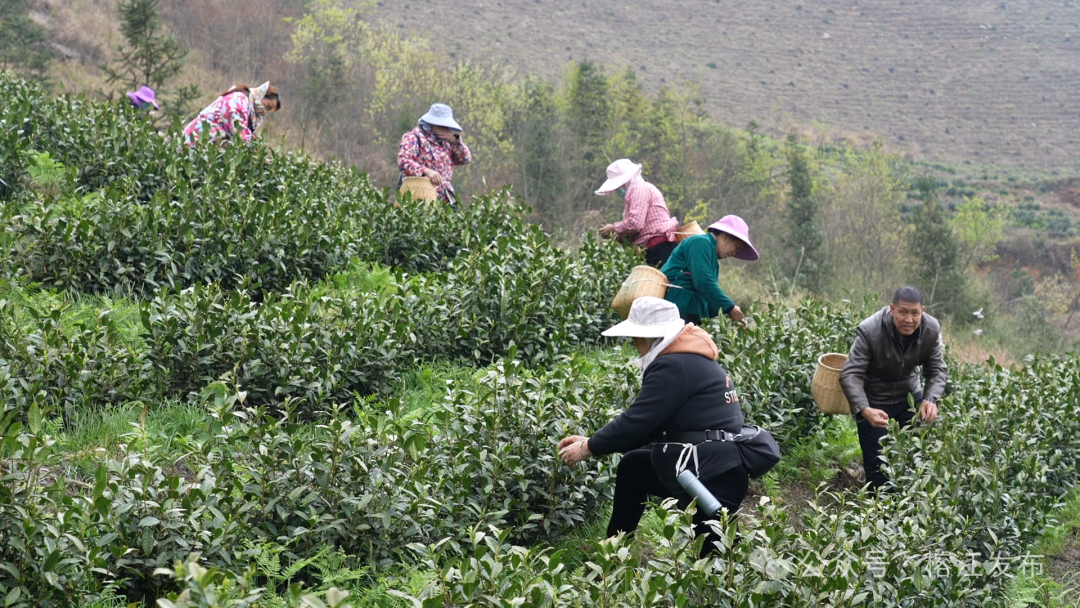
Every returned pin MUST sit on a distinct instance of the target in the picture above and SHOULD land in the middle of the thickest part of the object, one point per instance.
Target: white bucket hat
(649, 317)
(619, 173)
(441, 115)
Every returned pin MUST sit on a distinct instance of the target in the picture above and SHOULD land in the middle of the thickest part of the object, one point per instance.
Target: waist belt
(657, 240)
(698, 436)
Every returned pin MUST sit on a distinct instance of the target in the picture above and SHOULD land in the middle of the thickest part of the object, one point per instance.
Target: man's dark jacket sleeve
(853, 374)
(935, 373)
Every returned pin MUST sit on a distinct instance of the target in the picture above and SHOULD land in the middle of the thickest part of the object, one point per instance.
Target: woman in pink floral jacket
(433, 148)
(236, 113)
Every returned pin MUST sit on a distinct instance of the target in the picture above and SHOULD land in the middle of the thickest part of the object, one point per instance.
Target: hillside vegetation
(353, 84)
(983, 83)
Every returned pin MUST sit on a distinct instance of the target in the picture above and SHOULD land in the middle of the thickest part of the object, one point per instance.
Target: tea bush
(521, 291)
(47, 554)
(60, 365)
(13, 142)
(323, 343)
(773, 360)
(973, 491)
(293, 346)
(367, 487)
(240, 218)
(148, 212)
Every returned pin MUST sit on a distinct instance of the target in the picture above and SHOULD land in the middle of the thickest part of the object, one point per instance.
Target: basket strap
(628, 282)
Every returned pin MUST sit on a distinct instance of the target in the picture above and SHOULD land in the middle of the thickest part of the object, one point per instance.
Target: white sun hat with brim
(649, 317)
(441, 115)
(619, 173)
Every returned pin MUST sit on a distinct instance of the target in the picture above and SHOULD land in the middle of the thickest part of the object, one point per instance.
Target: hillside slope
(965, 83)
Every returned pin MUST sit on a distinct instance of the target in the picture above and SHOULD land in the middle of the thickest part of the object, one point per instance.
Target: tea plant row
(93, 200)
(973, 492)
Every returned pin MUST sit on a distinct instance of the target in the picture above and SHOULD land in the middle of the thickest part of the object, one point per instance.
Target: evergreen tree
(22, 40)
(588, 121)
(804, 238)
(935, 250)
(535, 132)
(150, 58)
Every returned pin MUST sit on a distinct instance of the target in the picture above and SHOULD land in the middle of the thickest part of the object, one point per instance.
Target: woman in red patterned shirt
(235, 114)
(646, 220)
(432, 150)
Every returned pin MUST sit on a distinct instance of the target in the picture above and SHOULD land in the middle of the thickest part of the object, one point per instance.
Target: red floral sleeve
(408, 158)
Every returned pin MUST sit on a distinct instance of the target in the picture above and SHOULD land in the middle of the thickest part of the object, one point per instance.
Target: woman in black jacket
(685, 399)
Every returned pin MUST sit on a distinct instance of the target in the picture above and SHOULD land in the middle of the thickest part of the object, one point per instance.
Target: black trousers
(695, 319)
(637, 479)
(870, 439)
(658, 255)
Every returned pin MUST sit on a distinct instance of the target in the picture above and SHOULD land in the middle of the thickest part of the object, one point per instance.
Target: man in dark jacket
(882, 370)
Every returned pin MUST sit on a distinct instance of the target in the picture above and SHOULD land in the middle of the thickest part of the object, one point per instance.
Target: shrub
(14, 114)
(317, 349)
(61, 365)
(485, 457)
(973, 490)
(521, 291)
(772, 361)
(48, 556)
(226, 216)
(325, 343)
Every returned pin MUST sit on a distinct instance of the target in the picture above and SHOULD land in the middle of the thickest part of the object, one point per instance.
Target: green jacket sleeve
(705, 273)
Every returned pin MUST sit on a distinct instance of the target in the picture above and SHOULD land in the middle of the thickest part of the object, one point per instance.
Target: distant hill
(970, 83)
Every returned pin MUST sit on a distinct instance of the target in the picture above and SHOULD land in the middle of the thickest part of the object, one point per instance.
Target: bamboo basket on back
(825, 387)
(643, 281)
(420, 188)
(687, 230)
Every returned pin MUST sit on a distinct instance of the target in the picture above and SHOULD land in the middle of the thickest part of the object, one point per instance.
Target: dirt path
(1064, 568)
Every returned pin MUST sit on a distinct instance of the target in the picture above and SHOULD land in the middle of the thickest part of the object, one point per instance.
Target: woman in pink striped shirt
(646, 220)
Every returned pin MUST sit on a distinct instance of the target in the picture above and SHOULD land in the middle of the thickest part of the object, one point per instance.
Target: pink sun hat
(736, 227)
(619, 173)
(145, 95)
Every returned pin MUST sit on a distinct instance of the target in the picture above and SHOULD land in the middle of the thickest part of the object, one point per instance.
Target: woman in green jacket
(693, 274)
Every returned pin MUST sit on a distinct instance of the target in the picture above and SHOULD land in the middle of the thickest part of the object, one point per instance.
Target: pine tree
(804, 238)
(934, 247)
(150, 58)
(22, 41)
(588, 121)
(535, 134)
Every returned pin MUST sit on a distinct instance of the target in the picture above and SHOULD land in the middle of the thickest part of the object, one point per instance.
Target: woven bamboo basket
(687, 230)
(825, 387)
(643, 281)
(421, 188)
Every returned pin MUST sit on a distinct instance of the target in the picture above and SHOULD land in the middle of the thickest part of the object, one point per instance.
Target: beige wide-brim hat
(619, 173)
(649, 317)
